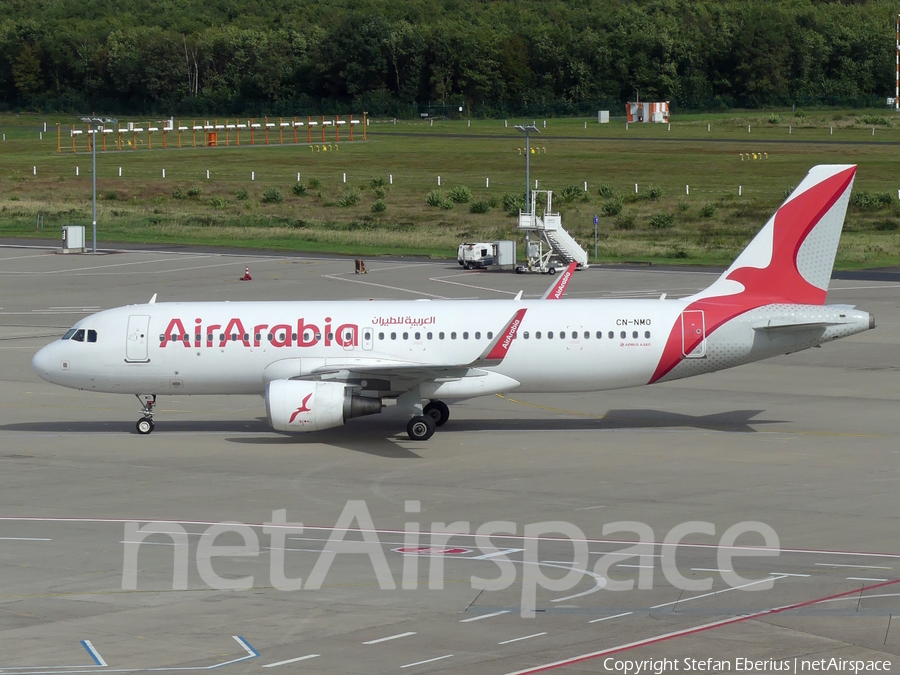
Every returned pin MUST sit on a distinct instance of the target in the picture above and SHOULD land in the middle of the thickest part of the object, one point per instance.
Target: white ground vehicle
(477, 255)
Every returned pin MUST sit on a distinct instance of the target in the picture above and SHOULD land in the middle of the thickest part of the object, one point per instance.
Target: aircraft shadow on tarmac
(380, 436)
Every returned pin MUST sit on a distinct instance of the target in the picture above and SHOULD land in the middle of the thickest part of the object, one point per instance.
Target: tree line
(490, 57)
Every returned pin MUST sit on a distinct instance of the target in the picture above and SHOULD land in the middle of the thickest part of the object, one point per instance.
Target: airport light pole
(93, 134)
(526, 129)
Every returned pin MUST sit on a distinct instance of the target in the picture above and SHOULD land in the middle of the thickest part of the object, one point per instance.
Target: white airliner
(320, 363)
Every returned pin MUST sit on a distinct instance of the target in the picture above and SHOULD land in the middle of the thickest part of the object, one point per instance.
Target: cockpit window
(69, 334)
(79, 335)
(92, 336)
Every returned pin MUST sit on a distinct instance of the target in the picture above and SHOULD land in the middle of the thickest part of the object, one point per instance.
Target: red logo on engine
(301, 409)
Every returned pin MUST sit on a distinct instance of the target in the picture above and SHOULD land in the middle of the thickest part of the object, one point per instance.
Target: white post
(439, 181)
(390, 179)
(873, 131)
(34, 170)
(635, 188)
(739, 190)
(505, 123)
(585, 186)
(670, 127)
(487, 182)
(707, 126)
(585, 125)
(164, 173)
(469, 123)
(748, 128)
(207, 174)
(298, 176)
(252, 175)
(120, 172)
(832, 130)
(687, 189)
(626, 126)
(345, 176)
(76, 170)
(45, 126)
(432, 123)
(545, 124)
(535, 183)
(41, 135)
(790, 130)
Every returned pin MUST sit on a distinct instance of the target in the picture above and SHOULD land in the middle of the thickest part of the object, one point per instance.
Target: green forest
(405, 57)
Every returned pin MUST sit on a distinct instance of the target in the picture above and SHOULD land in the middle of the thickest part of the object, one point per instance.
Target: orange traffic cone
(246, 276)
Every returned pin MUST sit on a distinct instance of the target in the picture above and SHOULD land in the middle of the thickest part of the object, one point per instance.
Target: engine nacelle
(299, 405)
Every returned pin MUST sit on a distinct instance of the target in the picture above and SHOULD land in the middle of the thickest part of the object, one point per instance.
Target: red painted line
(690, 631)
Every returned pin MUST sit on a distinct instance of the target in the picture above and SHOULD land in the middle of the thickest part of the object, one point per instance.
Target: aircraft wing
(377, 368)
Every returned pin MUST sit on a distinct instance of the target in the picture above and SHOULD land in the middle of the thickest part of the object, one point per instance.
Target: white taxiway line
(519, 639)
(442, 280)
(24, 539)
(862, 567)
(864, 579)
(390, 637)
(392, 288)
(420, 663)
(284, 663)
(643, 567)
(484, 616)
(94, 653)
(724, 590)
(707, 569)
(607, 618)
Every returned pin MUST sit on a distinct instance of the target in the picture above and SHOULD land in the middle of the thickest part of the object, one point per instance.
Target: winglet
(497, 350)
(556, 291)
(153, 299)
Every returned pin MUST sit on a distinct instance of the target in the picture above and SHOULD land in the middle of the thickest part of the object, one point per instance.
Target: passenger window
(406, 336)
(525, 334)
(441, 335)
(587, 335)
(490, 335)
(269, 337)
(79, 335)
(429, 335)
(307, 337)
(549, 334)
(319, 337)
(198, 336)
(418, 336)
(186, 338)
(381, 336)
(69, 334)
(465, 335)
(477, 335)
(611, 335)
(453, 335)
(234, 337)
(623, 335)
(222, 337)
(256, 337)
(647, 334)
(537, 335)
(599, 335)
(92, 336)
(634, 335)
(562, 335)
(294, 337)
(393, 336)
(348, 337)
(330, 336)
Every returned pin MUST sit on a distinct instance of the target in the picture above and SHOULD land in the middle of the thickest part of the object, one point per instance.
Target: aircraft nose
(42, 363)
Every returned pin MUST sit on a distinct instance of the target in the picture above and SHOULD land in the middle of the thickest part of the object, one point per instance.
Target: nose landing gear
(145, 425)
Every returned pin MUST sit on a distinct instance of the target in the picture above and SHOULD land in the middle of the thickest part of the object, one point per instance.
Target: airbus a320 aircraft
(319, 364)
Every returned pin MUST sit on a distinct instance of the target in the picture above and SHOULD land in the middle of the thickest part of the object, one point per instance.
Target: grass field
(398, 166)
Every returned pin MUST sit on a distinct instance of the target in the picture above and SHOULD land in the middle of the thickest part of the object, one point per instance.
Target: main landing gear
(145, 425)
(422, 427)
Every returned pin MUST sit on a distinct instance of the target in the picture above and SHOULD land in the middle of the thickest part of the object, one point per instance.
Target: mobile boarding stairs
(561, 248)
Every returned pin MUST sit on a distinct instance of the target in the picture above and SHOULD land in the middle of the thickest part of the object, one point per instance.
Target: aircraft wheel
(144, 426)
(420, 428)
(437, 411)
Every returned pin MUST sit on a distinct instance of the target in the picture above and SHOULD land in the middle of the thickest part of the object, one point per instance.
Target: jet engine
(299, 405)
